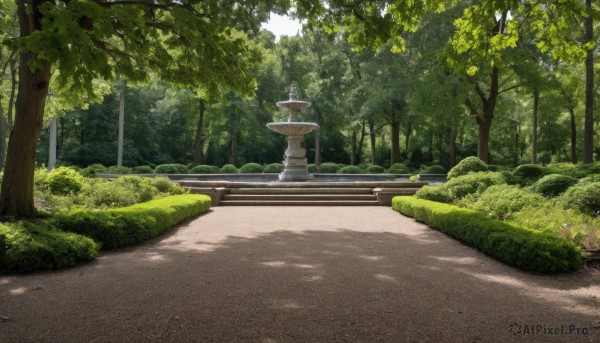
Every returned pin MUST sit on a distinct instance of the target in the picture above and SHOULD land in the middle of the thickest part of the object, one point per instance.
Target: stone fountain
(294, 165)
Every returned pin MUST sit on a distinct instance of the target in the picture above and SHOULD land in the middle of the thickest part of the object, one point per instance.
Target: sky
(282, 26)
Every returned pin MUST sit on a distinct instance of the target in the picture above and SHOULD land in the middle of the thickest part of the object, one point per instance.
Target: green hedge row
(524, 248)
(114, 228)
(27, 246)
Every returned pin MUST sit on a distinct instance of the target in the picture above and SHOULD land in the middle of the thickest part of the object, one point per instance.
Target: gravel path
(298, 274)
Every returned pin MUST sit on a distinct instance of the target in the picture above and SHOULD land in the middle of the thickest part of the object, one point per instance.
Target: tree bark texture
(395, 132)
(16, 197)
(536, 99)
(52, 143)
(372, 141)
(360, 144)
(573, 136)
(199, 139)
(588, 126)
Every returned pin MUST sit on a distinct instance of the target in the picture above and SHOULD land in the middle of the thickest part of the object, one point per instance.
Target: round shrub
(312, 168)
(63, 180)
(434, 193)
(118, 170)
(527, 174)
(398, 168)
(203, 169)
(583, 197)
(328, 167)
(92, 169)
(434, 169)
(142, 170)
(274, 168)
(504, 200)
(252, 168)
(164, 185)
(466, 166)
(229, 169)
(553, 185)
(375, 169)
(172, 168)
(473, 183)
(350, 170)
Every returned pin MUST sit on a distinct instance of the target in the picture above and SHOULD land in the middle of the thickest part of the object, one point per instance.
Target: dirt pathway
(299, 274)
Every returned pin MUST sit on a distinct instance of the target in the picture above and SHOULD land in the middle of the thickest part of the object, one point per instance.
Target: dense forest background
(374, 106)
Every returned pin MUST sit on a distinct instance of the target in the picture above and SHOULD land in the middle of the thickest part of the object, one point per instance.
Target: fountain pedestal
(294, 165)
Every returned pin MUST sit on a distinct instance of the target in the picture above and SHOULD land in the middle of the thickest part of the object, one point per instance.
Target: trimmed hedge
(375, 169)
(117, 170)
(142, 170)
(172, 168)
(273, 168)
(328, 167)
(114, 228)
(398, 168)
(229, 169)
(91, 170)
(434, 169)
(520, 247)
(527, 174)
(204, 169)
(27, 246)
(350, 170)
(252, 168)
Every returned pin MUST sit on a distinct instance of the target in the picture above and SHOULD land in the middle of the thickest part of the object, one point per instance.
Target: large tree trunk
(353, 153)
(13, 91)
(588, 128)
(318, 138)
(483, 142)
(52, 147)
(199, 139)
(121, 123)
(2, 135)
(372, 141)
(361, 141)
(536, 98)
(573, 136)
(16, 197)
(395, 132)
(452, 146)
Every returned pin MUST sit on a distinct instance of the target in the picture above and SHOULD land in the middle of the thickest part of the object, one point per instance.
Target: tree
(189, 42)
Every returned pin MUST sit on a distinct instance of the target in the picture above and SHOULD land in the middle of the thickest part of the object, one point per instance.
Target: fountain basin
(293, 105)
(292, 128)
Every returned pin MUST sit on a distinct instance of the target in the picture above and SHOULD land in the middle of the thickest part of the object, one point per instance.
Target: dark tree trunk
(452, 147)
(536, 98)
(16, 197)
(233, 147)
(2, 135)
(372, 141)
(517, 138)
(199, 139)
(353, 154)
(361, 141)
(573, 136)
(395, 131)
(13, 91)
(407, 135)
(588, 127)
(318, 138)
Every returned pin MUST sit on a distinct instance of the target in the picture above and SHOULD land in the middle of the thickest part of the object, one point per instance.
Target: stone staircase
(225, 193)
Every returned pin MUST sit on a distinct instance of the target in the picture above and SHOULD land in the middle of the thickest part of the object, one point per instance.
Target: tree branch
(511, 87)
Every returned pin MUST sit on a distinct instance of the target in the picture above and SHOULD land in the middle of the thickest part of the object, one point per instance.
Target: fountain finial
(294, 91)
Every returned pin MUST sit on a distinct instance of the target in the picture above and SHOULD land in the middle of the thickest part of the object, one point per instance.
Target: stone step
(307, 184)
(299, 197)
(298, 203)
(300, 191)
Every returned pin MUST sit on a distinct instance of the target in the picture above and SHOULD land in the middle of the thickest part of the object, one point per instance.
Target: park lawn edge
(67, 239)
(517, 246)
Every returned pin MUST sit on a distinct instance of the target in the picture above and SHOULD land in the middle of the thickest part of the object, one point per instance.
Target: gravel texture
(299, 274)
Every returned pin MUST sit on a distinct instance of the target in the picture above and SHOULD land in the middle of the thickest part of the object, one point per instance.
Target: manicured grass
(521, 247)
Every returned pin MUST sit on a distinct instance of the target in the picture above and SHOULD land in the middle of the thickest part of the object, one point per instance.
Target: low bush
(252, 168)
(328, 167)
(374, 169)
(503, 201)
(114, 228)
(229, 169)
(524, 248)
(569, 169)
(527, 174)
(64, 180)
(583, 197)
(142, 170)
(204, 169)
(92, 170)
(275, 168)
(172, 168)
(398, 168)
(27, 246)
(118, 170)
(434, 169)
(350, 170)
(468, 165)
(435, 193)
(553, 185)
